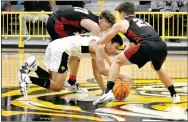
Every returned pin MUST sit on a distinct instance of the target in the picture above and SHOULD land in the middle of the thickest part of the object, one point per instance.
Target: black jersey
(139, 30)
(71, 17)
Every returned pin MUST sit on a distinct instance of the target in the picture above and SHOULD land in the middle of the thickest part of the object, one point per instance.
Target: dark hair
(126, 7)
(117, 39)
(108, 16)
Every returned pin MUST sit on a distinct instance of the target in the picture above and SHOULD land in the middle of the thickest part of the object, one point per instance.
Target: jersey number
(140, 23)
(82, 10)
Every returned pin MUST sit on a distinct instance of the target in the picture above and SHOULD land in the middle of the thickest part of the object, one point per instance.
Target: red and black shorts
(57, 29)
(154, 50)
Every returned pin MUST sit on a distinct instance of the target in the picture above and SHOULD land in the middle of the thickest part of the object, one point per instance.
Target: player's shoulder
(93, 38)
(121, 24)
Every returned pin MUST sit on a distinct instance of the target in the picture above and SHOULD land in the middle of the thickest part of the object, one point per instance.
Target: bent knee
(156, 68)
(57, 89)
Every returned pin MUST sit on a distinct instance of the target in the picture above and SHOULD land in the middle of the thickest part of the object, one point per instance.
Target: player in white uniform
(56, 59)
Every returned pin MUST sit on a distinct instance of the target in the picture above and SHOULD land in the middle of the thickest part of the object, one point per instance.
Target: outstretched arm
(121, 26)
(107, 59)
(109, 35)
(97, 75)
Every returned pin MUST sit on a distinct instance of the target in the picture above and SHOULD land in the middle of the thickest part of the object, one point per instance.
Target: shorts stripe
(70, 22)
(130, 52)
(59, 29)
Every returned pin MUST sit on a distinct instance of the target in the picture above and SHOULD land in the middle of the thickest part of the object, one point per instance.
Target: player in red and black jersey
(68, 20)
(145, 45)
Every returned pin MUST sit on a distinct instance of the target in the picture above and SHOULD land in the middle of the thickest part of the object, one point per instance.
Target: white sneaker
(77, 88)
(67, 85)
(30, 64)
(105, 98)
(23, 79)
(176, 98)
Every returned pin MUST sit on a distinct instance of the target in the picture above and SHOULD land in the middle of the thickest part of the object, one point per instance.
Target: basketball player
(145, 45)
(68, 20)
(56, 59)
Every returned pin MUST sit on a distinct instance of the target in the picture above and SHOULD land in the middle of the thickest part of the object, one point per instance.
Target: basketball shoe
(23, 79)
(77, 88)
(176, 98)
(106, 97)
(30, 65)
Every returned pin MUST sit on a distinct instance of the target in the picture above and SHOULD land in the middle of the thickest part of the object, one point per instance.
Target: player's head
(113, 45)
(106, 20)
(125, 9)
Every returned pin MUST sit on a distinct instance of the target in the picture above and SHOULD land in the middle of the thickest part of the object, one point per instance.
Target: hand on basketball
(127, 79)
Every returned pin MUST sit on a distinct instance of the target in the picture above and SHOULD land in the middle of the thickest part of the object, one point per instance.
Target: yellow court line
(9, 113)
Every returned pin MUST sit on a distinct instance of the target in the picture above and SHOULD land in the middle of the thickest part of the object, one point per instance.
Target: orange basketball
(121, 89)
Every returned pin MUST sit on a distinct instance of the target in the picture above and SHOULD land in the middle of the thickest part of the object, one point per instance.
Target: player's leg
(31, 65)
(74, 63)
(165, 78)
(132, 55)
(73, 86)
(55, 83)
(114, 70)
(56, 63)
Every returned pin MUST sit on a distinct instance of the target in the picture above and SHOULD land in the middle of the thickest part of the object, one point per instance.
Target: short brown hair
(108, 16)
(126, 7)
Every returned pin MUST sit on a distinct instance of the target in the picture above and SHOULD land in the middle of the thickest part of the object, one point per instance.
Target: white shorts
(55, 60)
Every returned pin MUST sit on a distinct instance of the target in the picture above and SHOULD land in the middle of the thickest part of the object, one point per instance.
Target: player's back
(139, 30)
(73, 15)
(73, 45)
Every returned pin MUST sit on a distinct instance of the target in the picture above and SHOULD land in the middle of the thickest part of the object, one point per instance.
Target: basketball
(121, 89)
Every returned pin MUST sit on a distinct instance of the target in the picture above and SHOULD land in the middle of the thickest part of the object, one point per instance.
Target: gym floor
(149, 100)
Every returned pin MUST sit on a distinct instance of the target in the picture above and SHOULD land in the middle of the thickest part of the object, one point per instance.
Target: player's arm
(101, 64)
(91, 26)
(99, 52)
(110, 34)
(97, 75)
(121, 26)
(107, 59)
(100, 61)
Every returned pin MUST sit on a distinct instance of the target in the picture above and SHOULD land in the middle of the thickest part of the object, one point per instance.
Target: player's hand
(127, 79)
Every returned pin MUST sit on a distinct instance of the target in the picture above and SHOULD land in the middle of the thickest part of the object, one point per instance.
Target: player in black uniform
(145, 45)
(68, 20)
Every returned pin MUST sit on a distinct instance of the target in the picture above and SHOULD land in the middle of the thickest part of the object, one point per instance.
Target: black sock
(42, 73)
(71, 82)
(110, 85)
(43, 82)
(172, 90)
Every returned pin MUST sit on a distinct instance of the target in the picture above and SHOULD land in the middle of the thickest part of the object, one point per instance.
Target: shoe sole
(105, 101)
(28, 67)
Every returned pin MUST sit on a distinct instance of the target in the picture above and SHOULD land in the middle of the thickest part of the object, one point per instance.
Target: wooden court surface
(149, 100)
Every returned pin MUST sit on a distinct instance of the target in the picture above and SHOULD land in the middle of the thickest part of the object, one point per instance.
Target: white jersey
(74, 45)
